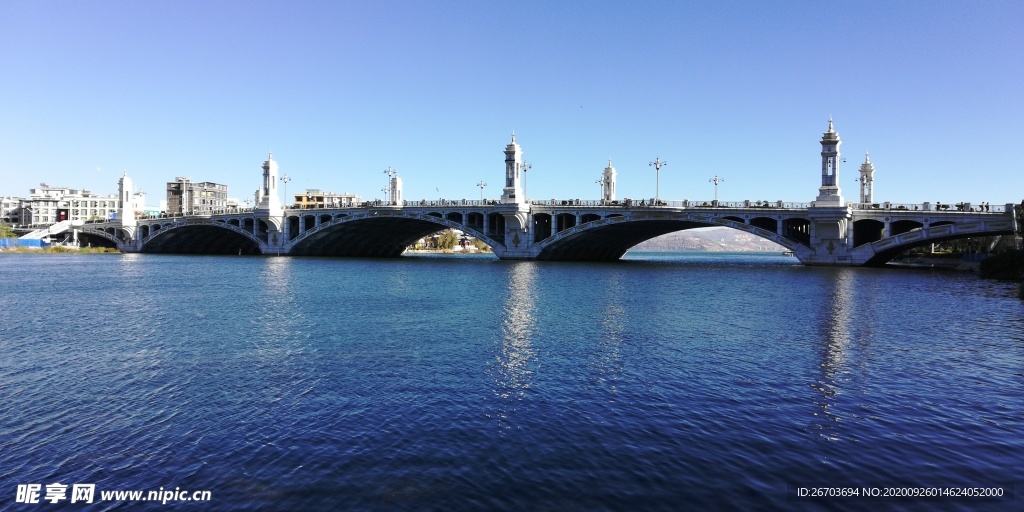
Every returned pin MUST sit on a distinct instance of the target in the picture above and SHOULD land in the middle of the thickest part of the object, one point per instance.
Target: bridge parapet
(938, 207)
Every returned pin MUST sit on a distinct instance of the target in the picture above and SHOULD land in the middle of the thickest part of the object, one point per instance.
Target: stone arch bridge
(851, 235)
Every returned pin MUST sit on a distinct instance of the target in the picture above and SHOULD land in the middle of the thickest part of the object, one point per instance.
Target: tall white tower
(867, 180)
(125, 210)
(513, 191)
(609, 182)
(268, 199)
(829, 193)
(396, 190)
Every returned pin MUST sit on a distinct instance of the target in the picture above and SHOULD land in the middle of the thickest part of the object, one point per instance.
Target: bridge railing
(937, 206)
(452, 202)
(686, 203)
(210, 213)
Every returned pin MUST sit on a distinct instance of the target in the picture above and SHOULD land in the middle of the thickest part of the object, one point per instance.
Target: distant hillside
(710, 240)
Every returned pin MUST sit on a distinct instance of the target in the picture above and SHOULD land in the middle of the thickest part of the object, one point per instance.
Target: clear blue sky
(339, 91)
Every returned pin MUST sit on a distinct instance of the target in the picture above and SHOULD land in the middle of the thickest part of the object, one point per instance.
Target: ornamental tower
(829, 193)
(867, 180)
(609, 182)
(396, 190)
(513, 191)
(125, 211)
(268, 199)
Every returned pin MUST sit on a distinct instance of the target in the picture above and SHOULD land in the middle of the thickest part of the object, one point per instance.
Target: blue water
(661, 382)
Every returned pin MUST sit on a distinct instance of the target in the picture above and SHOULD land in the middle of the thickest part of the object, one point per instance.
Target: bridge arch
(878, 253)
(766, 223)
(608, 239)
(371, 235)
(866, 231)
(898, 227)
(205, 238)
(98, 238)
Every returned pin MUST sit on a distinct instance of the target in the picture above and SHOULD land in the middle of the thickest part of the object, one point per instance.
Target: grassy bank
(59, 250)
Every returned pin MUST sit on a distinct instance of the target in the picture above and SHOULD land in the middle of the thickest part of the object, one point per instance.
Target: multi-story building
(49, 205)
(10, 210)
(188, 197)
(316, 198)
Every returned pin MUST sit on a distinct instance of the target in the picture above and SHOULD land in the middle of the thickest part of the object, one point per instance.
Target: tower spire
(829, 193)
(867, 180)
(513, 191)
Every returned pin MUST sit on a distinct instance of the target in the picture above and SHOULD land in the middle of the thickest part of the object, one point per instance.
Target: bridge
(827, 231)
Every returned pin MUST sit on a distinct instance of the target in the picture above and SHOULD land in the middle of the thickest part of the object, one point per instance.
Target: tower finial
(513, 135)
(867, 157)
(830, 124)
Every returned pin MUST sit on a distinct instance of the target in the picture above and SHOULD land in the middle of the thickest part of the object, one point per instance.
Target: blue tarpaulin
(11, 242)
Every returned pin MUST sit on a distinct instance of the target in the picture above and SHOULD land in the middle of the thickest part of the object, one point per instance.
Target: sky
(340, 91)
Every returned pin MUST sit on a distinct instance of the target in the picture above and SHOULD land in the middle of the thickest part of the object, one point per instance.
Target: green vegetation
(58, 249)
(480, 246)
(6, 231)
(447, 240)
(1004, 265)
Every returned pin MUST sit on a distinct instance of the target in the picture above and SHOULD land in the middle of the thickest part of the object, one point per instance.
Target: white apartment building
(49, 205)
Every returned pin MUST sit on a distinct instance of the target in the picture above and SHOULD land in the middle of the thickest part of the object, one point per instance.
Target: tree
(480, 246)
(447, 240)
(6, 231)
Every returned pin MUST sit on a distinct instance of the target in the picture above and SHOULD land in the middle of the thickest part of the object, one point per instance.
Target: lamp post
(525, 167)
(716, 180)
(481, 184)
(390, 172)
(286, 179)
(657, 164)
(600, 182)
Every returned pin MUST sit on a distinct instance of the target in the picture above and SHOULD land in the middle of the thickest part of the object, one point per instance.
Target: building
(316, 198)
(48, 205)
(10, 210)
(188, 197)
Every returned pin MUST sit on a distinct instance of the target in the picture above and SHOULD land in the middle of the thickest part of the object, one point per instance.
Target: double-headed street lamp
(657, 164)
(524, 167)
(390, 172)
(286, 179)
(481, 184)
(716, 180)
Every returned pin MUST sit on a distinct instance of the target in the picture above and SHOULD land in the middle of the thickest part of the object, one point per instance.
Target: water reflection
(279, 374)
(609, 363)
(834, 331)
(276, 317)
(517, 357)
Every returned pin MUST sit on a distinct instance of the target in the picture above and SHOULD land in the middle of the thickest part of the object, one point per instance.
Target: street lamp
(600, 182)
(657, 164)
(525, 167)
(716, 180)
(286, 179)
(481, 185)
(390, 172)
